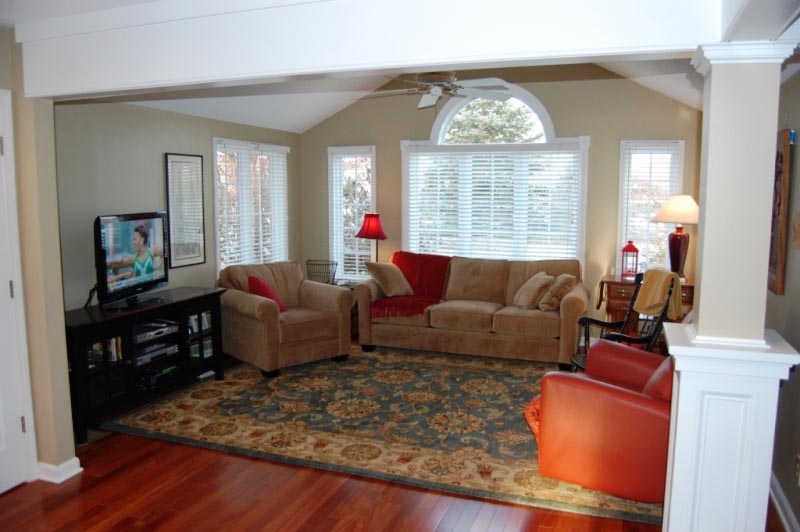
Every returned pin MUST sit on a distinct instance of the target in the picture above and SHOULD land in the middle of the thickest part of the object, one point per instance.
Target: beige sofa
(316, 325)
(476, 315)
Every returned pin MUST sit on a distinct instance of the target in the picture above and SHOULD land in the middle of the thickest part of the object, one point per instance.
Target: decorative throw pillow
(262, 288)
(529, 294)
(390, 279)
(560, 287)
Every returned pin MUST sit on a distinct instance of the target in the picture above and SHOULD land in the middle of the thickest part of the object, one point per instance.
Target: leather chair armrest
(603, 436)
(365, 293)
(618, 363)
(572, 306)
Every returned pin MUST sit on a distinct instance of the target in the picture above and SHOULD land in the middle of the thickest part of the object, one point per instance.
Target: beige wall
(37, 210)
(581, 100)
(111, 161)
(783, 315)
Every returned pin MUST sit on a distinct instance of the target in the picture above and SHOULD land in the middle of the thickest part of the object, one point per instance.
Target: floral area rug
(446, 422)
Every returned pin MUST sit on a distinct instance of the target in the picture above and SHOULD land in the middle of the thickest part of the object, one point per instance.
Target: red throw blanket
(400, 306)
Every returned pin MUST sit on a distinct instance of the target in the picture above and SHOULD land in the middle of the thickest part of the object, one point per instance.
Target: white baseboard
(61, 472)
(781, 503)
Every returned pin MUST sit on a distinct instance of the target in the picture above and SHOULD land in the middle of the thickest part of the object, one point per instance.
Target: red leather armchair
(608, 428)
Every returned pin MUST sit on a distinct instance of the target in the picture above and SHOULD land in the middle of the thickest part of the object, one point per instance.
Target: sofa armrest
(603, 436)
(573, 305)
(326, 297)
(250, 328)
(365, 293)
(333, 299)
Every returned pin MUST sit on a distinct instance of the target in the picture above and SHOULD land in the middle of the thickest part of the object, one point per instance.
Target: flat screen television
(130, 253)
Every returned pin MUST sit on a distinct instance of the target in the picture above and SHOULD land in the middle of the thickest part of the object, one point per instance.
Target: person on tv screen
(142, 261)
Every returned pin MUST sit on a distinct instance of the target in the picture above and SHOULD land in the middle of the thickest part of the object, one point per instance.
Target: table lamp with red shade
(371, 229)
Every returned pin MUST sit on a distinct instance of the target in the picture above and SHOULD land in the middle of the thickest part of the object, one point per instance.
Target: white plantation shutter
(351, 190)
(250, 193)
(520, 201)
(650, 172)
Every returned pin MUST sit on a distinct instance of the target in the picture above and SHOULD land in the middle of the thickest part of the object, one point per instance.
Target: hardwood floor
(134, 483)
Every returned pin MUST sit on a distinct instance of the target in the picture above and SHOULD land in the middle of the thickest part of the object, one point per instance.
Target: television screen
(130, 254)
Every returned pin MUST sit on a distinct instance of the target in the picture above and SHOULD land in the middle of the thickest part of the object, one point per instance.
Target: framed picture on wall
(780, 212)
(187, 240)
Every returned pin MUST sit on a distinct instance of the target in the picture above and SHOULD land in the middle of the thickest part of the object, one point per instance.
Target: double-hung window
(504, 201)
(650, 172)
(351, 183)
(250, 200)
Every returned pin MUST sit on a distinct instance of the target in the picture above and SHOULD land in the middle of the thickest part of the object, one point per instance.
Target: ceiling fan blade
(393, 92)
(485, 83)
(479, 93)
(428, 100)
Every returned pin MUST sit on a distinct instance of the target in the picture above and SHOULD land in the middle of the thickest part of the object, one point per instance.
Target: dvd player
(152, 330)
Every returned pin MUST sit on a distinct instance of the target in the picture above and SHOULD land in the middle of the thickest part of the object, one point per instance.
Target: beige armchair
(316, 325)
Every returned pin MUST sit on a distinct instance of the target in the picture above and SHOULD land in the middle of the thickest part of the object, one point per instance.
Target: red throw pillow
(262, 288)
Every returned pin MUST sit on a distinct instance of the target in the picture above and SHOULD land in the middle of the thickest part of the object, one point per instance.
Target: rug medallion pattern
(447, 422)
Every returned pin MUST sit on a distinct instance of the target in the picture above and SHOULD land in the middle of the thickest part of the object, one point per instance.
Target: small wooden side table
(617, 294)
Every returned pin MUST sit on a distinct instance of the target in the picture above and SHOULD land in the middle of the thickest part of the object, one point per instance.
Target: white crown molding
(741, 52)
(61, 472)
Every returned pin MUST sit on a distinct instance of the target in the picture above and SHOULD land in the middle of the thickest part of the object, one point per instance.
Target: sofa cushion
(532, 323)
(477, 280)
(262, 288)
(519, 271)
(463, 315)
(560, 287)
(299, 323)
(285, 277)
(390, 278)
(400, 306)
(425, 273)
(529, 294)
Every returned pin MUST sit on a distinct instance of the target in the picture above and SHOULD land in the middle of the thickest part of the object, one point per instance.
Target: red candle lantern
(630, 261)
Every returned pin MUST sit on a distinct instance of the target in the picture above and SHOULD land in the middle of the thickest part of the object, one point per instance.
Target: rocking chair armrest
(587, 321)
(619, 337)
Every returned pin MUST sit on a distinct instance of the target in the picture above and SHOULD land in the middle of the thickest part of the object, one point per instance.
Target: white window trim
(621, 211)
(333, 229)
(454, 105)
(275, 148)
(583, 143)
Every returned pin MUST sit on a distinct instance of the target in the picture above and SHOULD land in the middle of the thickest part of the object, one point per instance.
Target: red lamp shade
(372, 227)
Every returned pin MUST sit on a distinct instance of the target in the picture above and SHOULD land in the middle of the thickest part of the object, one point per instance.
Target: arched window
(520, 119)
(495, 182)
(486, 121)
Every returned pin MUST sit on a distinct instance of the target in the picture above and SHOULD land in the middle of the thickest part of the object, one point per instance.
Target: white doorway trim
(18, 343)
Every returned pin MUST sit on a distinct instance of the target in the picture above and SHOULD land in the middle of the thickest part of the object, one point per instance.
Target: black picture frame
(186, 209)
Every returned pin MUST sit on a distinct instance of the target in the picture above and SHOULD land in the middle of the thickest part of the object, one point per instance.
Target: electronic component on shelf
(152, 330)
(152, 352)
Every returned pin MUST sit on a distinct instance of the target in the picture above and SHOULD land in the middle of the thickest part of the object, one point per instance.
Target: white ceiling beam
(350, 36)
(757, 20)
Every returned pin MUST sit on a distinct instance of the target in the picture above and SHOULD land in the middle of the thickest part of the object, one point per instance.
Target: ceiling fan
(433, 85)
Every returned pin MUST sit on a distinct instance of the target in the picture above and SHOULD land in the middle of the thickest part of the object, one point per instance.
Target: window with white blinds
(650, 172)
(351, 192)
(523, 201)
(250, 182)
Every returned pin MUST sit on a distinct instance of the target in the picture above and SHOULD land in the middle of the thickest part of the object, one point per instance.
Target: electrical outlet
(797, 469)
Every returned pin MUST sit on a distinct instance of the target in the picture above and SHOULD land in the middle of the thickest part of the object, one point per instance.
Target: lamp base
(678, 247)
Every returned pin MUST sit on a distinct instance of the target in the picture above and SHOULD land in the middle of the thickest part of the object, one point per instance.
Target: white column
(727, 367)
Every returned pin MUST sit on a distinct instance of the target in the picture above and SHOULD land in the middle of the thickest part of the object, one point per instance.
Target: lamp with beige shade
(679, 209)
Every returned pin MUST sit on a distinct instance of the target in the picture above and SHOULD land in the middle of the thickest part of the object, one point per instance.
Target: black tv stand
(132, 355)
(132, 302)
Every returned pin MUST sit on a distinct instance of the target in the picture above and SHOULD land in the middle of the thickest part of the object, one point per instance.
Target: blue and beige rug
(445, 422)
